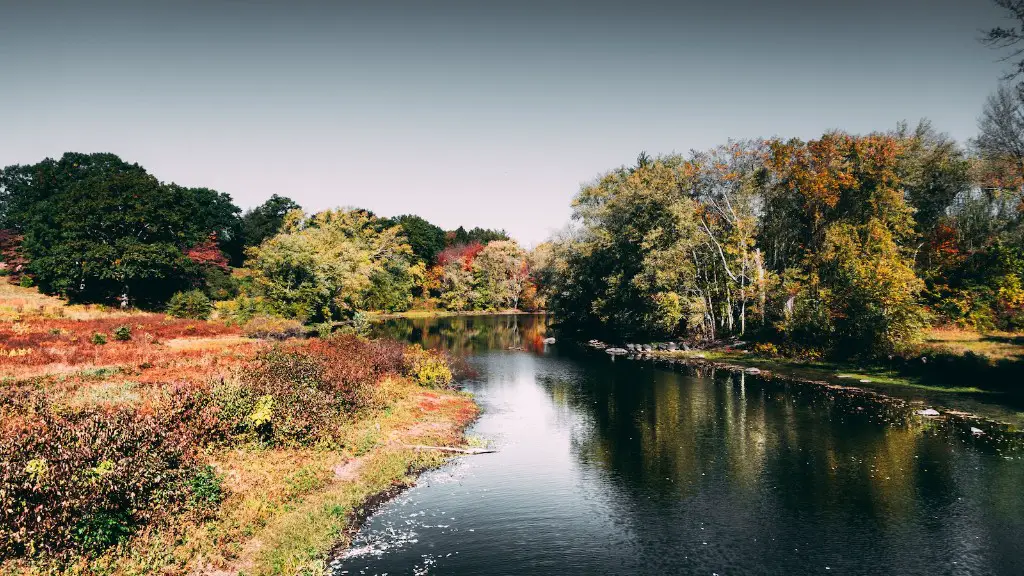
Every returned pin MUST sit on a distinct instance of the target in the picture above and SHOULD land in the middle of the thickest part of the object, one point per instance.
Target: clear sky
(479, 113)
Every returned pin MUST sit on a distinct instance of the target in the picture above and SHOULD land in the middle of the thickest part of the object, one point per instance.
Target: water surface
(625, 467)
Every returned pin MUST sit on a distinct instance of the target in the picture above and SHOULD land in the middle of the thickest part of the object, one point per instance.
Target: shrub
(218, 284)
(98, 338)
(429, 368)
(273, 327)
(242, 309)
(86, 480)
(26, 282)
(206, 489)
(298, 394)
(192, 304)
(123, 333)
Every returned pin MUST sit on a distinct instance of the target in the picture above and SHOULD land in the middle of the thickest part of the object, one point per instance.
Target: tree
(97, 228)
(1000, 150)
(329, 265)
(480, 235)
(425, 239)
(265, 220)
(1009, 39)
(107, 237)
(502, 272)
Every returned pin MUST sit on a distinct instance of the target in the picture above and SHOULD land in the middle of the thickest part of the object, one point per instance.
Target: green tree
(425, 239)
(265, 220)
(501, 274)
(332, 264)
(110, 236)
(98, 229)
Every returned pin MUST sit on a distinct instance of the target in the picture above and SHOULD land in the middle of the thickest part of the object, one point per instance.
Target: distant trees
(425, 239)
(265, 220)
(331, 264)
(481, 235)
(812, 241)
(96, 229)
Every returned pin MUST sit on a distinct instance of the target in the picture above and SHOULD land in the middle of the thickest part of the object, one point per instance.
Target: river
(617, 466)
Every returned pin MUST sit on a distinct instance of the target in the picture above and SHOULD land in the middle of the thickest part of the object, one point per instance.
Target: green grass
(835, 372)
(993, 345)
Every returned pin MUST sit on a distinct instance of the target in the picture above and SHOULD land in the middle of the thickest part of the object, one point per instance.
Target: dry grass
(286, 507)
(17, 303)
(995, 345)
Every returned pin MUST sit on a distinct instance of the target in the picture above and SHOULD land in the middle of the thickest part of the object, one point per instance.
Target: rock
(977, 431)
(685, 347)
(617, 351)
(672, 347)
(549, 340)
(927, 412)
(631, 347)
(647, 348)
(753, 370)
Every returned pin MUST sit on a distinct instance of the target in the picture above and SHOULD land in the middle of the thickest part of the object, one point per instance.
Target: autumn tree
(331, 264)
(501, 272)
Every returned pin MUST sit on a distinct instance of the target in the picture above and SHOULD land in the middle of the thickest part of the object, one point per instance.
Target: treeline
(845, 245)
(96, 229)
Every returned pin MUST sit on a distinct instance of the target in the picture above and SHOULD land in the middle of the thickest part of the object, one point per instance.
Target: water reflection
(609, 467)
(467, 335)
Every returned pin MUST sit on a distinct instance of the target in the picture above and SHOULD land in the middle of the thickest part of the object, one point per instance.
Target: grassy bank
(839, 372)
(137, 444)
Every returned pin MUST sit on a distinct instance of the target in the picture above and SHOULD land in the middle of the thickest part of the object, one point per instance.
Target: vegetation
(848, 245)
(170, 450)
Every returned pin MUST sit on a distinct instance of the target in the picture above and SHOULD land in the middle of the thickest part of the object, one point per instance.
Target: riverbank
(966, 404)
(959, 380)
(141, 444)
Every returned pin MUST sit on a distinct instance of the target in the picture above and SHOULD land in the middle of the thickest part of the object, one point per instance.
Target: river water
(617, 466)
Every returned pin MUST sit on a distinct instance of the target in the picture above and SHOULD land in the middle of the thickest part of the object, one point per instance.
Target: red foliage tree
(11, 256)
(464, 253)
(207, 253)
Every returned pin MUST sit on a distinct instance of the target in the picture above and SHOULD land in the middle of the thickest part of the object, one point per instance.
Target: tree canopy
(331, 264)
(97, 229)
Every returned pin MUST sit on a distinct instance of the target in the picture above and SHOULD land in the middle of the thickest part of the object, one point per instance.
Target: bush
(192, 304)
(206, 489)
(273, 327)
(88, 479)
(98, 338)
(429, 368)
(219, 284)
(298, 394)
(26, 282)
(123, 333)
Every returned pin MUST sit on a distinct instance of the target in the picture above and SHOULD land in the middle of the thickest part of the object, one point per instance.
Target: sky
(486, 113)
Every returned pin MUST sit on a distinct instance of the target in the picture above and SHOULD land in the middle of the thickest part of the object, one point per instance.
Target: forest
(93, 228)
(847, 245)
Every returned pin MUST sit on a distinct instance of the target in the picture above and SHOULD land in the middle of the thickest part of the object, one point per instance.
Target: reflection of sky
(624, 467)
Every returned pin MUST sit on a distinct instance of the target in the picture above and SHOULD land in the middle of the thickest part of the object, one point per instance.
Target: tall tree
(96, 228)
(329, 265)
(1008, 40)
(265, 220)
(425, 238)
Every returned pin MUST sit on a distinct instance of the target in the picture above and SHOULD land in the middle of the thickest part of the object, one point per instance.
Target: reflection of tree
(463, 335)
(796, 462)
